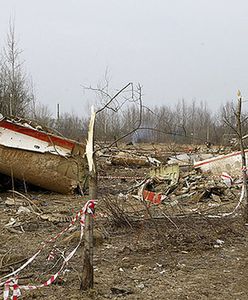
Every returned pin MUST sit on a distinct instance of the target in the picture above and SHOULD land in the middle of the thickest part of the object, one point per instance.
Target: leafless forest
(191, 123)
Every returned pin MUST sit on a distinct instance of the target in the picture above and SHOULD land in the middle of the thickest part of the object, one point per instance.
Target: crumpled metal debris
(34, 155)
(190, 188)
(168, 173)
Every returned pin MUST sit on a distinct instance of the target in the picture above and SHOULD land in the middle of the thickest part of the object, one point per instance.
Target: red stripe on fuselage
(51, 139)
(214, 159)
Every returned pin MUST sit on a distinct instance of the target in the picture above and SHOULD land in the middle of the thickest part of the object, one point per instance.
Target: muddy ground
(173, 255)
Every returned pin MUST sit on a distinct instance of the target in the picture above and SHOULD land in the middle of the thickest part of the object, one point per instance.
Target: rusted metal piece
(40, 157)
(129, 161)
(52, 172)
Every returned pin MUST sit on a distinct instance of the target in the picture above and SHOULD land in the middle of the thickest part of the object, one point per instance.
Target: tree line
(191, 123)
(184, 123)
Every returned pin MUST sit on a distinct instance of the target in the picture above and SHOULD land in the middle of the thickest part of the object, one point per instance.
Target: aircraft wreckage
(34, 154)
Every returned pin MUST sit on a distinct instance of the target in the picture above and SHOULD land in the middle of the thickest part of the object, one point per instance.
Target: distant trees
(16, 93)
(71, 126)
(191, 123)
(41, 114)
(183, 123)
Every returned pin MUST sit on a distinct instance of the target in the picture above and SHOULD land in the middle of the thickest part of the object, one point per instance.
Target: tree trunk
(243, 158)
(88, 274)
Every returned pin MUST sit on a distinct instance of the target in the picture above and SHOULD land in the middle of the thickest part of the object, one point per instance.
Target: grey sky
(191, 49)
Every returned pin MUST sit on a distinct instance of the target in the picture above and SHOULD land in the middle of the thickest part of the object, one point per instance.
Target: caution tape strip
(12, 282)
(121, 177)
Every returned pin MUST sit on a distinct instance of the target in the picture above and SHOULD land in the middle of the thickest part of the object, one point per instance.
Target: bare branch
(114, 97)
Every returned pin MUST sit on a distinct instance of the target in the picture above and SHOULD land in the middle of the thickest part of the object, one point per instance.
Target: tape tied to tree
(11, 284)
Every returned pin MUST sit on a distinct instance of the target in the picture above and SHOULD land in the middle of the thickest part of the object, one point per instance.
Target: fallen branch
(26, 198)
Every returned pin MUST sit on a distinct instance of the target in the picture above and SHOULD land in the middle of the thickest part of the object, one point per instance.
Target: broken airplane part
(34, 154)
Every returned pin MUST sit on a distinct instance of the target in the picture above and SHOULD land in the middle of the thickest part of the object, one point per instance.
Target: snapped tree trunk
(87, 273)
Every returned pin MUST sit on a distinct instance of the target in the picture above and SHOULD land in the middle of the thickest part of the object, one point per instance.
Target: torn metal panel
(230, 163)
(154, 198)
(170, 172)
(39, 157)
(186, 159)
(26, 137)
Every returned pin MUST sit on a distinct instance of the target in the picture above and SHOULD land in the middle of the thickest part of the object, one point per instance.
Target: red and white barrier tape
(12, 282)
(244, 169)
(121, 177)
(226, 178)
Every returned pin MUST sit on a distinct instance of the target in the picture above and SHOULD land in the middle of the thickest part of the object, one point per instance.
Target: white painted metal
(18, 140)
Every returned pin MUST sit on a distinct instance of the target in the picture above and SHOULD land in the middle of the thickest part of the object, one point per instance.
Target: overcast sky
(191, 49)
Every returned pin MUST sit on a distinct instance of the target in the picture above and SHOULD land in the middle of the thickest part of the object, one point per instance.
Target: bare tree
(70, 125)
(15, 88)
(242, 150)
(113, 103)
(235, 119)
(42, 114)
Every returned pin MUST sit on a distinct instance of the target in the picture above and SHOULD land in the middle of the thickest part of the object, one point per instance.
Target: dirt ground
(177, 256)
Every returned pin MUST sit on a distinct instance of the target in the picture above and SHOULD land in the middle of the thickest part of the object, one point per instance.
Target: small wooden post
(58, 112)
(87, 272)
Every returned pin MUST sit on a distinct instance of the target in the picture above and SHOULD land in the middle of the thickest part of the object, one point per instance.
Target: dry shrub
(114, 208)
